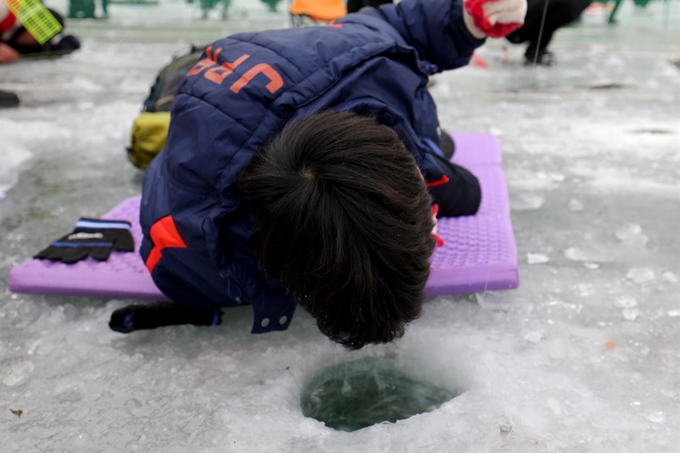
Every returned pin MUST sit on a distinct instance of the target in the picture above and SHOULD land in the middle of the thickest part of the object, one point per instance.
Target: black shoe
(446, 144)
(541, 57)
(67, 43)
(8, 99)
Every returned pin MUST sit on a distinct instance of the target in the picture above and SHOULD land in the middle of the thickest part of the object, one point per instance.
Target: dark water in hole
(358, 394)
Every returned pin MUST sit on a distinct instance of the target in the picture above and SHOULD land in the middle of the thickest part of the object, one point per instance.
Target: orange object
(319, 10)
(479, 62)
(610, 345)
(440, 182)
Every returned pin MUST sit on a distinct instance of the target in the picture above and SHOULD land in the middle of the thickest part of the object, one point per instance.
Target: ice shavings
(641, 275)
(527, 201)
(575, 205)
(588, 255)
(631, 234)
(537, 258)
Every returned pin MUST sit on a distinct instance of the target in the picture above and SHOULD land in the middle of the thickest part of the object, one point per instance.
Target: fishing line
(540, 31)
(540, 35)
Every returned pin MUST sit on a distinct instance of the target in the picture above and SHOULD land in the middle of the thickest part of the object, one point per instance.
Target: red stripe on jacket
(164, 234)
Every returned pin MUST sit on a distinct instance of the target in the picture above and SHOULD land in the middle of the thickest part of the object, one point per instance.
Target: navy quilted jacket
(243, 91)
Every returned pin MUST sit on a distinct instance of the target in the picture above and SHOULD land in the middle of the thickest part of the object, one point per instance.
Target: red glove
(496, 18)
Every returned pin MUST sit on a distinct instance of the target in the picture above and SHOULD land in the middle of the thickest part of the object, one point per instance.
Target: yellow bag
(150, 129)
(149, 133)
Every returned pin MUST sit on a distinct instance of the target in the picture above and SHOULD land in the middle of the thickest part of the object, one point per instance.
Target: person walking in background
(540, 25)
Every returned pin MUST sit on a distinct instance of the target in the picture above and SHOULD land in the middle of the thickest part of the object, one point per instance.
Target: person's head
(343, 220)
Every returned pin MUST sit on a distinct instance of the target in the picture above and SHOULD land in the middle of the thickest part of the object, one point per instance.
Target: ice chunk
(14, 159)
(640, 275)
(669, 277)
(673, 313)
(493, 301)
(534, 337)
(625, 302)
(585, 289)
(18, 372)
(575, 205)
(656, 417)
(630, 314)
(537, 258)
(527, 202)
(631, 234)
(577, 254)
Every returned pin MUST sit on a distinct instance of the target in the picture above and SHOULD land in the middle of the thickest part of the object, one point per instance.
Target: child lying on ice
(15, 40)
(302, 166)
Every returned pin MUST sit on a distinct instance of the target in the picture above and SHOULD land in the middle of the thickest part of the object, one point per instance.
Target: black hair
(342, 218)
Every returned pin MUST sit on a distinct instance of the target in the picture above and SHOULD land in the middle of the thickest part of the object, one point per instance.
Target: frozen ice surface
(527, 201)
(554, 366)
(575, 205)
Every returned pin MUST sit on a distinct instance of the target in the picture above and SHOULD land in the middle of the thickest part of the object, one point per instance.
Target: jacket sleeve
(435, 28)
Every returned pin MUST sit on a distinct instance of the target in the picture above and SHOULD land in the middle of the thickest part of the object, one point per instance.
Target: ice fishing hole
(358, 394)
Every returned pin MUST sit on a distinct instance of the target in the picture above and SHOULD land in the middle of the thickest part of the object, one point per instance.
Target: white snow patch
(15, 158)
(592, 255)
(537, 258)
(669, 277)
(625, 302)
(640, 275)
(630, 314)
(18, 372)
(527, 202)
(631, 234)
(575, 205)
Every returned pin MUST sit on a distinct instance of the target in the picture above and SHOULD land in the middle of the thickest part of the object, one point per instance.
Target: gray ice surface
(583, 357)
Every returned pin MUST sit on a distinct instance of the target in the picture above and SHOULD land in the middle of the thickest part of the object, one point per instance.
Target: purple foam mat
(477, 149)
(479, 254)
(122, 275)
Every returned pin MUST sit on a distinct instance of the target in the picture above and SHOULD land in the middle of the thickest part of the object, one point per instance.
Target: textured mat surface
(479, 254)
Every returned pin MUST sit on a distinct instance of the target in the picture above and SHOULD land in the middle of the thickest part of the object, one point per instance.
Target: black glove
(91, 237)
(144, 317)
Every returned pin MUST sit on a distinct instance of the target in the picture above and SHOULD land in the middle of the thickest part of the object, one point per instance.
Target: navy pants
(559, 14)
(462, 194)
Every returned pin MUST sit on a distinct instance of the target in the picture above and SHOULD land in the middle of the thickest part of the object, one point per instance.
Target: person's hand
(7, 54)
(493, 18)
